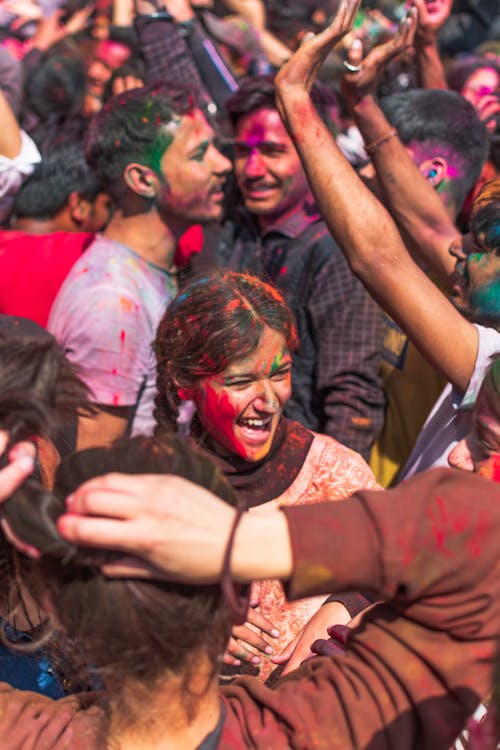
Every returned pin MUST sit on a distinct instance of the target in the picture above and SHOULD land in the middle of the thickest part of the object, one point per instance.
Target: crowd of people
(250, 374)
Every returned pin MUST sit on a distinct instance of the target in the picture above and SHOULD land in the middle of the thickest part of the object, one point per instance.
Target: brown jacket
(417, 665)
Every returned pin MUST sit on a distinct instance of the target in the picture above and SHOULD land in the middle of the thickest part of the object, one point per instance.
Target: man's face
(476, 288)
(268, 169)
(107, 57)
(193, 173)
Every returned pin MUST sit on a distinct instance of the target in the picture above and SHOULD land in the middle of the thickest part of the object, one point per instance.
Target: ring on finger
(351, 68)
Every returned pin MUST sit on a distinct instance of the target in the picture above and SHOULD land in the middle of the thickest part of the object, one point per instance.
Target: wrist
(262, 547)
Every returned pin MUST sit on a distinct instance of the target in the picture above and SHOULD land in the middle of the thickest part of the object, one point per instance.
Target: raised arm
(426, 226)
(431, 16)
(362, 227)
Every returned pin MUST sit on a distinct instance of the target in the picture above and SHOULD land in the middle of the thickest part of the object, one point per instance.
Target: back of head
(214, 321)
(258, 92)
(133, 127)
(131, 630)
(62, 171)
(56, 89)
(447, 125)
(462, 68)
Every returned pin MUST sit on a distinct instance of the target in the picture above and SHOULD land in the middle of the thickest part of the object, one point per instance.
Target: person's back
(55, 215)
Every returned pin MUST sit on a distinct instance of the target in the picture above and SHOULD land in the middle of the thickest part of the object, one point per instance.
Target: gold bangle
(370, 148)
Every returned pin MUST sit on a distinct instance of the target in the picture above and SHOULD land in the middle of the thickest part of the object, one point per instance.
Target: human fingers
(238, 652)
(304, 64)
(250, 637)
(20, 466)
(341, 633)
(112, 495)
(287, 652)
(17, 542)
(259, 621)
(327, 647)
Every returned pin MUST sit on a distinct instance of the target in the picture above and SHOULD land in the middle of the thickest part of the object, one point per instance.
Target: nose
(254, 166)
(460, 457)
(456, 249)
(222, 165)
(266, 397)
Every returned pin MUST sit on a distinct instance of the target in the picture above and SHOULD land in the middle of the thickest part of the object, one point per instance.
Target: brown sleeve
(420, 661)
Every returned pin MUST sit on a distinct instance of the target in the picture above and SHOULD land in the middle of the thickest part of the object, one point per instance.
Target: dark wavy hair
(132, 631)
(212, 322)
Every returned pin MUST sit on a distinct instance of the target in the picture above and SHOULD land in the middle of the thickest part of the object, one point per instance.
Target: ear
(79, 208)
(142, 180)
(435, 170)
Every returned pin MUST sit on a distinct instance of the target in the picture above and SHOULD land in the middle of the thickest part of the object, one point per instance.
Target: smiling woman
(225, 345)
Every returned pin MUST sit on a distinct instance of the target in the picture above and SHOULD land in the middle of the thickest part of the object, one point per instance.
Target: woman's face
(482, 444)
(240, 408)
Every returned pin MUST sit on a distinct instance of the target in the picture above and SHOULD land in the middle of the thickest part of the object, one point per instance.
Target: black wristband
(159, 15)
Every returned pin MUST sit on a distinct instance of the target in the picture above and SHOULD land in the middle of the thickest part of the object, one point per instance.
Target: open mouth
(255, 428)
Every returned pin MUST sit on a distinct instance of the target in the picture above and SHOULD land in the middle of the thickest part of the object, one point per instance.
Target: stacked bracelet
(370, 148)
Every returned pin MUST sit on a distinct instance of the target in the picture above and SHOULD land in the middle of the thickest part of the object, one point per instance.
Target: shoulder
(331, 471)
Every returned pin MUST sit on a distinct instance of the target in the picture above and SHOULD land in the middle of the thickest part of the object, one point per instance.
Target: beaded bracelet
(370, 148)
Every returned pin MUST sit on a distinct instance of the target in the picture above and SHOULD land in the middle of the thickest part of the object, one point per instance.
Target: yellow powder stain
(127, 305)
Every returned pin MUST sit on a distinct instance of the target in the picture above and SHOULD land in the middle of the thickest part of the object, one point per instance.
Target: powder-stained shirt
(336, 385)
(451, 418)
(105, 317)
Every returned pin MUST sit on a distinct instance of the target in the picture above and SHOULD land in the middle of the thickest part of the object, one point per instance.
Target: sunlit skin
(482, 445)
(476, 287)
(193, 173)
(268, 169)
(240, 408)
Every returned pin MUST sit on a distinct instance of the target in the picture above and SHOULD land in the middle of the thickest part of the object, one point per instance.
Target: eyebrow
(259, 144)
(200, 147)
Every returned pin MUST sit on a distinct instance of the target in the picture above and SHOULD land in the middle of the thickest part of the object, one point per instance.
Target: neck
(44, 226)
(170, 713)
(146, 234)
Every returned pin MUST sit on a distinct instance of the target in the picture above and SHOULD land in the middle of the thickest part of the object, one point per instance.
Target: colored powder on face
(486, 301)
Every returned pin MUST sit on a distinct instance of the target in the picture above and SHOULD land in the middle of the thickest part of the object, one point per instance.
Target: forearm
(429, 66)
(368, 237)
(411, 199)
(262, 548)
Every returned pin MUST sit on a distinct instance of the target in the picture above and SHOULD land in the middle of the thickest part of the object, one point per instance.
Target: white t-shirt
(105, 317)
(451, 417)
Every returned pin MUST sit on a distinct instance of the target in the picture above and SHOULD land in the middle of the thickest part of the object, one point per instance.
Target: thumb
(355, 52)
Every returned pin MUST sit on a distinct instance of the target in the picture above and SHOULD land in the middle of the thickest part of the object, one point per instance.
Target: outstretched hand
(362, 82)
(300, 72)
(174, 525)
(432, 14)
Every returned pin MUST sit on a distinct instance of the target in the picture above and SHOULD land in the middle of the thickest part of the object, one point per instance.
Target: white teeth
(255, 422)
